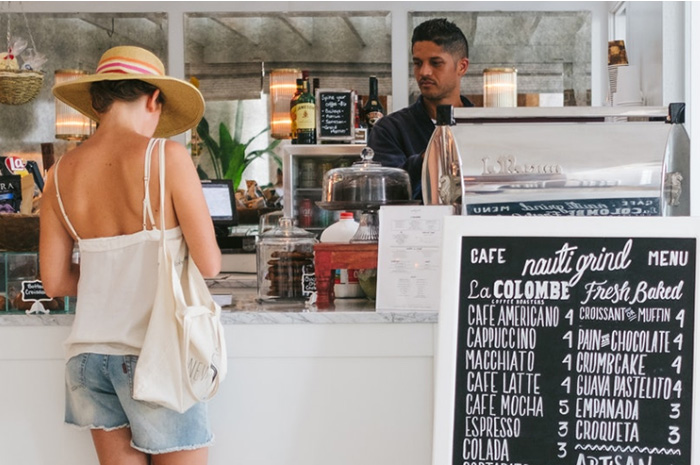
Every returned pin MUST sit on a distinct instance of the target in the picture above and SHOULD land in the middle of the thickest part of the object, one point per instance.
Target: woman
(104, 195)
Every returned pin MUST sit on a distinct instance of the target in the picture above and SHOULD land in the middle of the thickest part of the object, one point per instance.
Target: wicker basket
(19, 233)
(18, 87)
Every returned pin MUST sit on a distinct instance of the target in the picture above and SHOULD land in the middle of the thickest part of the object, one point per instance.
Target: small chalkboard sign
(335, 118)
(567, 341)
(33, 291)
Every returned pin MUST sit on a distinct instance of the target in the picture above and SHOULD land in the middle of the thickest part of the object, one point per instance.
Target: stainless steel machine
(572, 161)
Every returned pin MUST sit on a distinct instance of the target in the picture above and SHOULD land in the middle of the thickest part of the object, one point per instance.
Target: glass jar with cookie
(285, 257)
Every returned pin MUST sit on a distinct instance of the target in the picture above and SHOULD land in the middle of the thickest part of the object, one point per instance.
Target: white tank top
(118, 277)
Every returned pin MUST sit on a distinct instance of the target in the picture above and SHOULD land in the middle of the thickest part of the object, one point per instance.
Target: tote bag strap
(161, 179)
(147, 210)
(206, 305)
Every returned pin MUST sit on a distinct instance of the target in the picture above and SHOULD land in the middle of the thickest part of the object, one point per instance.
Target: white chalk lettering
(610, 363)
(517, 360)
(608, 431)
(492, 427)
(517, 289)
(610, 409)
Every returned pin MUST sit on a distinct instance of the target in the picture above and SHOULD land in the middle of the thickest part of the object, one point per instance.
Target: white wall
(644, 47)
(674, 52)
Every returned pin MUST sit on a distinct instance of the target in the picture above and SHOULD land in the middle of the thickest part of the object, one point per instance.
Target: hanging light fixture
(70, 123)
(500, 87)
(283, 84)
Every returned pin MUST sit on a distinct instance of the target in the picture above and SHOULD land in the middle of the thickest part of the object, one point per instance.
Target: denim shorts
(99, 396)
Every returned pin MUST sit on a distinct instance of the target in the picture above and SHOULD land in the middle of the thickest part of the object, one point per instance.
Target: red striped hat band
(124, 65)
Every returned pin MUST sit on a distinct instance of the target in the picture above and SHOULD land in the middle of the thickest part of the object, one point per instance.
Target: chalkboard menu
(574, 350)
(336, 114)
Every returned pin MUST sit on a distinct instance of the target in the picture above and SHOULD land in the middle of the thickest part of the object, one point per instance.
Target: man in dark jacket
(440, 59)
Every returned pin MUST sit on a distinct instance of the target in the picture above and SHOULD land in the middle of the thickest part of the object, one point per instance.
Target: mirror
(75, 41)
(550, 49)
(232, 54)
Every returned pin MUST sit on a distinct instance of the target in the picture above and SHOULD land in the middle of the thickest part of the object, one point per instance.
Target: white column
(693, 97)
(673, 68)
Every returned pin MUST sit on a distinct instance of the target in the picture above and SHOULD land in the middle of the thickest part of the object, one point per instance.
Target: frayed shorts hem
(87, 427)
(208, 443)
(173, 449)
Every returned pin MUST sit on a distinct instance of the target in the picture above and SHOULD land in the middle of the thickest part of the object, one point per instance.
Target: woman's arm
(191, 209)
(58, 274)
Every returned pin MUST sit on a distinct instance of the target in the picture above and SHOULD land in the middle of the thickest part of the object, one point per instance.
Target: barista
(440, 59)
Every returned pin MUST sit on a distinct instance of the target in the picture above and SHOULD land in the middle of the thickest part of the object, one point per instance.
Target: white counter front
(304, 387)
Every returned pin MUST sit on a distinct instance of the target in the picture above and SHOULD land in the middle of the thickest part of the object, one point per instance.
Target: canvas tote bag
(183, 359)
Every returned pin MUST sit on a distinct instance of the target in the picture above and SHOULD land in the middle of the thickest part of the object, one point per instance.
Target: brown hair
(104, 93)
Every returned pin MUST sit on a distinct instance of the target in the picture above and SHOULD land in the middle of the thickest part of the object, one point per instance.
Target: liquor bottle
(304, 113)
(292, 114)
(442, 182)
(373, 109)
(360, 128)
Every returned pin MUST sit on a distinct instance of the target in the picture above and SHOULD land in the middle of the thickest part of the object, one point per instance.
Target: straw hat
(184, 104)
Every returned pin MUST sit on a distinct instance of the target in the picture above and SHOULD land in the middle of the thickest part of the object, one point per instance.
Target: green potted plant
(229, 156)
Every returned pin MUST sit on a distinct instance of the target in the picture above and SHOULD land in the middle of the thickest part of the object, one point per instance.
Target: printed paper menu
(408, 269)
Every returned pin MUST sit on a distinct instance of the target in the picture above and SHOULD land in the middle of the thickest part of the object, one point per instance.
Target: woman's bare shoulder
(176, 152)
(178, 161)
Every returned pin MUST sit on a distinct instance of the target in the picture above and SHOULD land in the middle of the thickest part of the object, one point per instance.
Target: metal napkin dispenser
(578, 162)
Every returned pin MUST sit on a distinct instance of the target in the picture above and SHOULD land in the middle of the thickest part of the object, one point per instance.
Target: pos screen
(218, 194)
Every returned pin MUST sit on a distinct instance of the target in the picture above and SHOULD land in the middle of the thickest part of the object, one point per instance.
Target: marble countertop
(236, 293)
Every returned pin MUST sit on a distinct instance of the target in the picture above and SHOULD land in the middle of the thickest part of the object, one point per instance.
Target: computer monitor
(221, 202)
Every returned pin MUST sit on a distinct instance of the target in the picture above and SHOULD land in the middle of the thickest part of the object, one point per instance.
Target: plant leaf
(202, 174)
(269, 149)
(273, 145)
(228, 146)
(212, 146)
(239, 156)
(277, 159)
(256, 136)
(235, 173)
(203, 127)
(229, 156)
(238, 124)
